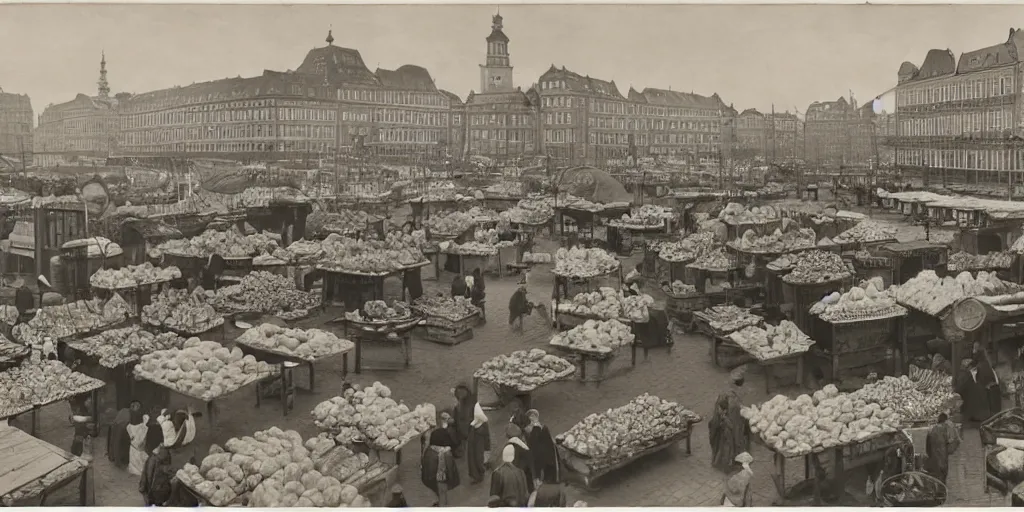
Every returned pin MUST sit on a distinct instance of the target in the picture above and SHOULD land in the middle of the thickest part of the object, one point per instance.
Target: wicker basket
(932, 501)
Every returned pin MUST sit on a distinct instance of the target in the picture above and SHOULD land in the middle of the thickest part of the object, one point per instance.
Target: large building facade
(16, 141)
(84, 128)
(331, 103)
(751, 139)
(783, 137)
(961, 118)
(827, 140)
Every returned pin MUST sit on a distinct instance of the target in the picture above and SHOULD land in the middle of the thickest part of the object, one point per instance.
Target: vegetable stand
(717, 323)
(446, 331)
(205, 332)
(392, 333)
(910, 258)
(768, 364)
(210, 401)
(602, 360)
(864, 342)
(278, 357)
(354, 289)
(681, 308)
(637, 234)
(801, 296)
(76, 384)
(510, 383)
(567, 286)
(34, 470)
(589, 470)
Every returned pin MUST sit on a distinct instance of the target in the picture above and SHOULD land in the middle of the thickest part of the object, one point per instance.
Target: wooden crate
(445, 336)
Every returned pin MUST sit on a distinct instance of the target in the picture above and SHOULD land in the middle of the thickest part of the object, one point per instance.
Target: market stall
(448, 321)
(275, 345)
(599, 342)
(383, 425)
(134, 283)
(206, 371)
(519, 374)
(814, 275)
(631, 230)
(388, 325)
(595, 447)
(264, 293)
(866, 234)
(1002, 437)
(33, 471)
(355, 270)
(773, 346)
(80, 318)
(183, 312)
(138, 236)
(717, 323)
(32, 385)
(577, 269)
(910, 258)
(740, 218)
(679, 254)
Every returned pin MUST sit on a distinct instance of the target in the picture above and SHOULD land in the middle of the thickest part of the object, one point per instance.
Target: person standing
(118, 441)
(941, 442)
(438, 470)
(137, 428)
(524, 458)
(973, 391)
(1018, 379)
(737, 486)
(463, 411)
(989, 380)
(518, 415)
(478, 445)
(155, 484)
(508, 482)
(542, 449)
(728, 430)
(460, 286)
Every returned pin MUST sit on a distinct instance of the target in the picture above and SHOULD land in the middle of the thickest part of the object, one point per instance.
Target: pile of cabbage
(623, 431)
(776, 241)
(607, 304)
(735, 213)
(598, 336)
(689, 248)
(372, 414)
(772, 341)
(929, 293)
(860, 303)
(866, 231)
(812, 423)
(579, 262)
(395, 252)
(202, 369)
(309, 344)
(816, 267)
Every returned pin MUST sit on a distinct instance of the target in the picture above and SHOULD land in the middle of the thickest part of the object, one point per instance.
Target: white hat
(508, 454)
(744, 458)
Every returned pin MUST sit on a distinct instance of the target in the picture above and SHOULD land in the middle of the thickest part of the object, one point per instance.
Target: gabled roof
(583, 84)
(936, 63)
(217, 89)
(680, 99)
(407, 78)
(985, 58)
(453, 98)
(342, 66)
(751, 112)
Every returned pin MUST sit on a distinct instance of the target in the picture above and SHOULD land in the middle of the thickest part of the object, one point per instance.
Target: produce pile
(607, 304)
(450, 308)
(578, 262)
(811, 424)
(264, 292)
(449, 223)
(775, 242)
(578, 203)
(8, 315)
(379, 311)
(524, 370)
(962, 261)
(646, 216)
(860, 303)
(866, 231)
(228, 244)
(619, 433)
(133, 276)
(928, 293)
(121, 346)
(771, 342)
(10, 351)
(715, 259)
(96, 247)
(479, 214)
(59, 322)
(301, 252)
(51, 200)
(337, 461)
(679, 289)
(597, 336)
(728, 318)
(735, 213)
(817, 267)
(916, 488)
(34, 383)
(308, 345)
(536, 257)
(202, 369)
(395, 252)
(689, 248)
(506, 189)
(372, 414)
(917, 398)
(490, 237)
(469, 248)
(182, 311)
(347, 221)
(530, 213)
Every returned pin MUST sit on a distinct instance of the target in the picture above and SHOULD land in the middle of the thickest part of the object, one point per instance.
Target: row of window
(246, 131)
(957, 123)
(973, 159)
(688, 138)
(560, 136)
(501, 119)
(389, 115)
(237, 147)
(409, 135)
(956, 90)
(503, 135)
(394, 97)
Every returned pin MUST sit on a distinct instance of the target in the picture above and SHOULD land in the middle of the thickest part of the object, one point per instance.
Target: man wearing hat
(729, 432)
(737, 487)
(519, 306)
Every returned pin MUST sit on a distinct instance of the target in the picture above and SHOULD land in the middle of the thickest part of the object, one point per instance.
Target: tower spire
(330, 37)
(104, 87)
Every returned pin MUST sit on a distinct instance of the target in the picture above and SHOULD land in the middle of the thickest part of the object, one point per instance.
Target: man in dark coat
(524, 458)
(973, 390)
(155, 484)
(987, 377)
(508, 482)
(542, 449)
(729, 432)
(941, 442)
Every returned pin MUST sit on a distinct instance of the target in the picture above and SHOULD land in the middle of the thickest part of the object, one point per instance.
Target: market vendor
(509, 484)
(477, 291)
(211, 272)
(523, 455)
(942, 440)
(974, 391)
(729, 432)
(737, 486)
(519, 306)
(412, 281)
(460, 286)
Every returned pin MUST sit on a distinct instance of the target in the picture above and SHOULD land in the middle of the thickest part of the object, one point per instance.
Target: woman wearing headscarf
(155, 484)
(478, 446)
(728, 430)
(179, 430)
(118, 442)
(508, 482)
(737, 486)
(542, 449)
(463, 410)
(437, 468)
(524, 458)
(137, 428)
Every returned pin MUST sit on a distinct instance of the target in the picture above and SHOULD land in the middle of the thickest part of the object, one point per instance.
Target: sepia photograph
(734, 255)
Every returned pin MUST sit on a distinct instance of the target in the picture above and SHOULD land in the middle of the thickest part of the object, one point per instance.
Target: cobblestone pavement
(670, 478)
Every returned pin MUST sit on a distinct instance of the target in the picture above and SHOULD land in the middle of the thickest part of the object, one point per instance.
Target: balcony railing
(999, 138)
(947, 106)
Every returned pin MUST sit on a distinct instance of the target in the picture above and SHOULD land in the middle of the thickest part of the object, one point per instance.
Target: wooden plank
(26, 459)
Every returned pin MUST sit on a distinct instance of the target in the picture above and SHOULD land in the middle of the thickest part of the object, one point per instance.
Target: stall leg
(344, 366)
(312, 376)
(359, 356)
(407, 350)
(779, 478)
(35, 421)
(768, 374)
(210, 411)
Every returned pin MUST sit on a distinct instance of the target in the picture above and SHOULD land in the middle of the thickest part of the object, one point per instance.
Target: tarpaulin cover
(235, 181)
(593, 185)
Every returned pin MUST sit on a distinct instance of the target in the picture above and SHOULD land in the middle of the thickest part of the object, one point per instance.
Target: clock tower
(496, 74)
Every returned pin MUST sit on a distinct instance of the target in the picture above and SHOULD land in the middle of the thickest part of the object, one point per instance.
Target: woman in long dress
(542, 447)
(137, 428)
(728, 430)
(438, 470)
(118, 442)
(478, 447)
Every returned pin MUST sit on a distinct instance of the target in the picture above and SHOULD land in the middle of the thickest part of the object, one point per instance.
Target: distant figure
(737, 486)
(155, 483)
(728, 430)
(941, 442)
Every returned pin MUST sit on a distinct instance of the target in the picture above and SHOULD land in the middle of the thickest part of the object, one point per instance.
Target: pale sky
(753, 56)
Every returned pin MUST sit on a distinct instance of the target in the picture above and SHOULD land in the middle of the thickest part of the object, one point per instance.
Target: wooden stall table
(769, 364)
(910, 258)
(706, 323)
(637, 234)
(137, 297)
(681, 308)
(869, 267)
(590, 469)
(735, 229)
(523, 392)
(439, 329)
(89, 385)
(34, 470)
(209, 402)
(602, 359)
(395, 332)
(485, 262)
(803, 296)
(358, 287)
(276, 357)
(856, 343)
(218, 326)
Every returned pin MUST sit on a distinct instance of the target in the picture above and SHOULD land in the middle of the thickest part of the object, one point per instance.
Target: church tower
(496, 75)
(104, 87)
